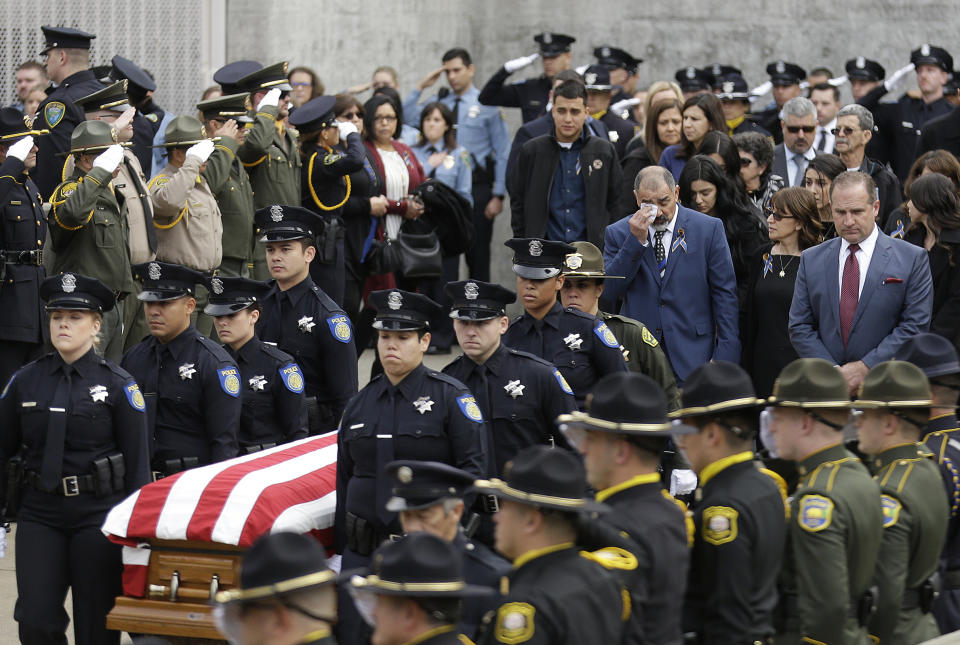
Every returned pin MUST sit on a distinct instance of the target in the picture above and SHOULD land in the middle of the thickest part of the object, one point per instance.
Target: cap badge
(691, 72)
(68, 282)
(216, 285)
(394, 300)
(728, 87)
(573, 341)
(306, 324)
(605, 52)
(781, 67)
(590, 78)
(471, 291)
(536, 248)
(514, 388)
(547, 38)
(861, 62)
(574, 261)
(257, 383)
(925, 50)
(153, 271)
(187, 370)
(423, 405)
(717, 70)
(98, 393)
(405, 474)
(276, 212)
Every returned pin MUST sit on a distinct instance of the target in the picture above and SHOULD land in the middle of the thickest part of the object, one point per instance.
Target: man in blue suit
(859, 296)
(679, 275)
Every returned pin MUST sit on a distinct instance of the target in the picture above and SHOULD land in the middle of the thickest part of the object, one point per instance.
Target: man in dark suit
(859, 296)
(679, 277)
(566, 182)
(798, 123)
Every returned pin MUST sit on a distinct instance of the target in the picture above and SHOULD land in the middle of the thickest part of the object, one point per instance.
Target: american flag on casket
(288, 488)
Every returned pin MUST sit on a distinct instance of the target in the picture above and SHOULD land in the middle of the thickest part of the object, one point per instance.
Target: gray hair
(652, 176)
(864, 116)
(798, 106)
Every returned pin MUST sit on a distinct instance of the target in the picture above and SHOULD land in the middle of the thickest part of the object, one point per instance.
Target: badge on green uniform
(815, 513)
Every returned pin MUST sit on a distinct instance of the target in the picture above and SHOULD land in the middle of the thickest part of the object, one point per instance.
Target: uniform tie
(456, 110)
(659, 251)
(485, 399)
(51, 469)
(385, 455)
(849, 292)
(538, 330)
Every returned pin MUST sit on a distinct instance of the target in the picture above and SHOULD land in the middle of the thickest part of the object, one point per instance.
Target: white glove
(896, 78)
(766, 416)
(21, 148)
(804, 85)
(580, 70)
(270, 99)
(625, 104)
(682, 482)
(519, 63)
(334, 562)
(3, 541)
(838, 81)
(346, 128)
(201, 150)
(762, 89)
(109, 159)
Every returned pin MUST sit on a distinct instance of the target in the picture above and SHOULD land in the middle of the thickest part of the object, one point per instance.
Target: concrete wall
(344, 42)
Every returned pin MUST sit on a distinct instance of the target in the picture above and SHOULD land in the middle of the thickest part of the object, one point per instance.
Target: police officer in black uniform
(599, 92)
(734, 95)
(530, 95)
(420, 577)
(622, 438)
(145, 123)
(302, 320)
(429, 498)
(23, 231)
(785, 78)
(520, 394)
(693, 81)
(68, 66)
(738, 512)
(556, 593)
(81, 422)
(271, 383)
(582, 347)
(191, 384)
(408, 412)
(623, 70)
(717, 71)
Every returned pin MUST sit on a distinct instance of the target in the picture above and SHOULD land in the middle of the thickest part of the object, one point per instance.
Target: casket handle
(214, 586)
(174, 585)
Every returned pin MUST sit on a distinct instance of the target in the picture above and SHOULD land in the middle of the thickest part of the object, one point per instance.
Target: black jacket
(536, 166)
(945, 270)
(941, 133)
(888, 186)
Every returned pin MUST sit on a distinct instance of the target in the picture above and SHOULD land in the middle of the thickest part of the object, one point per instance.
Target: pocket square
(893, 281)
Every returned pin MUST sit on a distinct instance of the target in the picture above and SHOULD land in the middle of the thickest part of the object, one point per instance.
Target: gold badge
(719, 525)
(648, 337)
(515, 623)
(815, 513)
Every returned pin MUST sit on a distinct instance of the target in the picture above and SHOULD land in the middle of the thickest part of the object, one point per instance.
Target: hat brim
(226, 309)
(309, 581)
(734, 96)
(17, 136)
(874, 405)
(180, 144)
(285, 235)
(397, 504)
(930, 60)
(600, 88)
(76, 304)
(97, 148)
(722, 406)
(535, 273)
(372, 582)
(784, 82)
(399, 324)
(944, 369)
(860, 75)
(501, 489)
(476, 315)
(837, 404)
(153, 295)
(585, 421)
(591, 274)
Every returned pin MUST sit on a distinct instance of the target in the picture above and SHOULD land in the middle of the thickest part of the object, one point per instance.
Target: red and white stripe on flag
(288, 488)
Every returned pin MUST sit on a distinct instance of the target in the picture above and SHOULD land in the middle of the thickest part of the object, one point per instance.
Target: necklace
(784, 266)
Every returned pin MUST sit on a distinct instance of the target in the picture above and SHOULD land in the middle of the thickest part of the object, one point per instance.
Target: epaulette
(626, 320)
(214, 348)
(828, 470)
(581, 314)
(485, 555)
(116, 369)
(446, 378)
(529, 356)
(275, 352)
(517, 319)
(897, 473)
(326, 300)
(687, 516)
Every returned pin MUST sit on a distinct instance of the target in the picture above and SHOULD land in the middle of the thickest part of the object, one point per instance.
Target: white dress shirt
(864, 255)
(667, 235)
(792, 163)
(825, 131)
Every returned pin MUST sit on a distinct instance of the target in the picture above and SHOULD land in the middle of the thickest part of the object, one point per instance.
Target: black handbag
(413, 255)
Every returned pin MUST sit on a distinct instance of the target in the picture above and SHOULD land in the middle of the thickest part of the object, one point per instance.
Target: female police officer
(271, 383)
(408, 412)
(81, 422)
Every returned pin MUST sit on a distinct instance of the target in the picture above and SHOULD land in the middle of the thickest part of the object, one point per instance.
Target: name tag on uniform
(28, 404)
(357, 425)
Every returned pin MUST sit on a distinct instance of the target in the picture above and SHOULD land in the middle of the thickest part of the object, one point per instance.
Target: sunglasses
(302, 84)
(350, 115)
(777, 216)
(744, 162)
(845, 131)
(794, 129)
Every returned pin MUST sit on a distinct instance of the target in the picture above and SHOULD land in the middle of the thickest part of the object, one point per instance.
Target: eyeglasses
(385, 119)
(350, 115)
(777, 216)
(845, 131)
(744, 162)
(302, 84)
(808, 129)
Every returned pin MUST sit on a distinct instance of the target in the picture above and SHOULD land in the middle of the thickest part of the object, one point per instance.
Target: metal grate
(168, 38)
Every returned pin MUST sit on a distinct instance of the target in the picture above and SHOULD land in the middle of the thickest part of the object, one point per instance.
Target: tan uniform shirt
(133, 186)
(189, 226)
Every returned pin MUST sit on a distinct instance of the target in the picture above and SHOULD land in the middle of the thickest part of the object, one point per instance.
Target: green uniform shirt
(272, 161)
(643, 353)
(835, 529)
(89, 232)
(915, 514)
(231, 186)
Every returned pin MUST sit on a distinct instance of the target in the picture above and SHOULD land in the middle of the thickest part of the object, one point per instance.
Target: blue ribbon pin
(767, 264)
(679, 242)
(898, 232)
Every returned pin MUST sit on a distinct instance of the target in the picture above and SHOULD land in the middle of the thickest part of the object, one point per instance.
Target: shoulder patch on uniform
(719, 524)
(151, 117)
(6, 388)
(891, 510)
(515, 622)
(67, 188)
(230, 380)
(815, 513)
(135, 396)
(340, 327)
(53, 113)
(292, 377)
(562, 381)
(612, 557)
(331, 158)
(468, 405)
(159, 180)
(648, 337)
(605, 335)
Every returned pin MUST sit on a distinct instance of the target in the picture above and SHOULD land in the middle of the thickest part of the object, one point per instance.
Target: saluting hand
(228, 130)
(124, 119)
(429, 79)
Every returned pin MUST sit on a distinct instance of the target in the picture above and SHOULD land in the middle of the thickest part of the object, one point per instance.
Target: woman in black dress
(794, 226)
(934, 210)
(940, 162)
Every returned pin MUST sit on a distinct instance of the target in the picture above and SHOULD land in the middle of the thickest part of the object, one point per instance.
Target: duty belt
(69, 486)
(34, 257)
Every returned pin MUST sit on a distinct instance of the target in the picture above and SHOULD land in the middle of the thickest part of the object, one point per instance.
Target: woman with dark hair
(329, 150)
(407, 133)
(756, 166)
(794, 226)
(442, 159)
(705, 188)
(306, 85)
(819, 176)
(935, 225)
(701, 114)
(720, 147)
(662, 129)
(940, 162)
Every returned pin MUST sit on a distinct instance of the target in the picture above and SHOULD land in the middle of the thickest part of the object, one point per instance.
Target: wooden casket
(184, 536)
